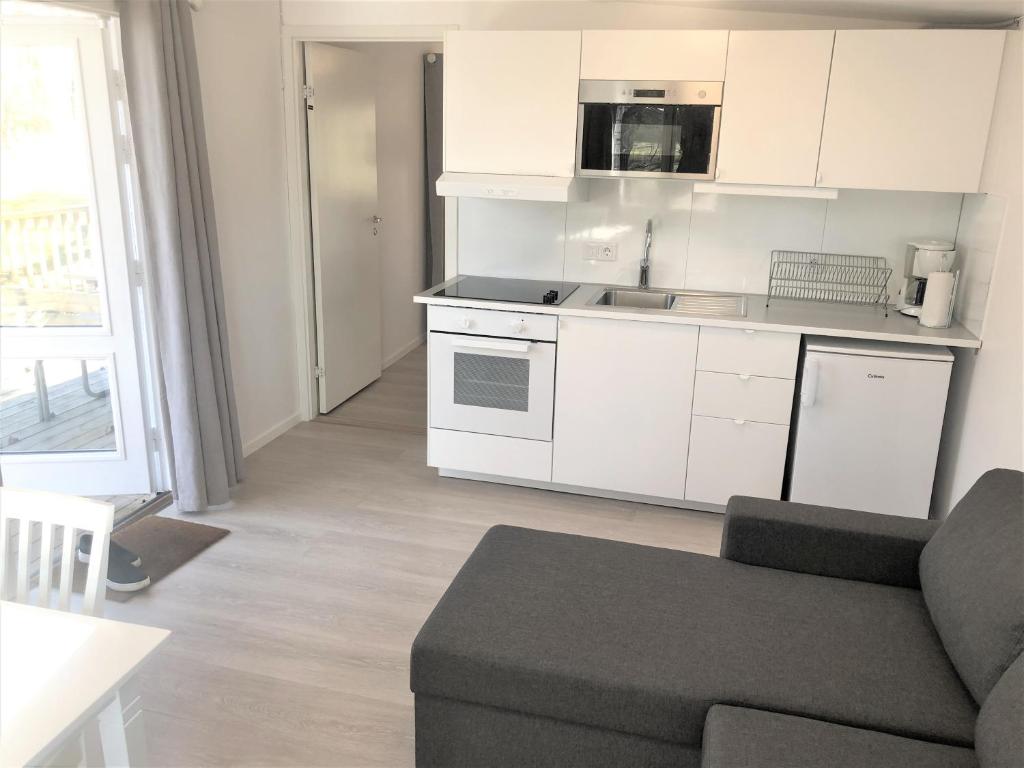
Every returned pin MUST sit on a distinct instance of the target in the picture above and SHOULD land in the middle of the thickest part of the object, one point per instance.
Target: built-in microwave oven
(648, 128)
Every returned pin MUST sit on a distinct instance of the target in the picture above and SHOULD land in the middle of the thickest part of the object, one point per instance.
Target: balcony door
(72, 414)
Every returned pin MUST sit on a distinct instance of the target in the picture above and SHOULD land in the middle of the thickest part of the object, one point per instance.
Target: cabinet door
(775, 86)
(909, 109)
(654, 54)
(732, 457)
(623, 391)
(510, 102)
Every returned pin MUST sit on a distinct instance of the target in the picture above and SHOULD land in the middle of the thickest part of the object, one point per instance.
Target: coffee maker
(923, 257)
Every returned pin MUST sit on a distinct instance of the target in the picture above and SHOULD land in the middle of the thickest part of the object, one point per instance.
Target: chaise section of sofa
(643, 641)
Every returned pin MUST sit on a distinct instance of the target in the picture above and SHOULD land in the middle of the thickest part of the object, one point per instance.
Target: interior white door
(72, 416)
(341, 126)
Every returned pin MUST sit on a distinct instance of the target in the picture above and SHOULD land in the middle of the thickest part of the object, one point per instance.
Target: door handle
(495, 345)
(809, 386)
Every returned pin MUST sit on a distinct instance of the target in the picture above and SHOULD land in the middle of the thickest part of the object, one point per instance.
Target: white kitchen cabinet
(740, 396)
(489, 454)
(774, 102)
(654, 55)
(623, 392)
(909, 109)
(510, 102)
(733, 457)
(749, 352)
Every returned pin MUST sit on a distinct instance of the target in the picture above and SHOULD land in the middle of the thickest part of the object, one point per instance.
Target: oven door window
(647, 138)
(487, 381)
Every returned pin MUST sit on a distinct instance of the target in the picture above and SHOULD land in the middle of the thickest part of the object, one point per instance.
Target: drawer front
(492, 322)
(739, 396)
(730, 459)
(489, 454)
(747, 351)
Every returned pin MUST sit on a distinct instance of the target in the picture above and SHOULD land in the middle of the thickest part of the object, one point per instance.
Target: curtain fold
(162, 79)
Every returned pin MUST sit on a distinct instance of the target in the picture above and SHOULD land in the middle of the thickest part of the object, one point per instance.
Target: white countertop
(58, 670)
(819, 319)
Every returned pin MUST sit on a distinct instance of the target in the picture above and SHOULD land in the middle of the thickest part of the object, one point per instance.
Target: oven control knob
(517, 326)
(465, 322)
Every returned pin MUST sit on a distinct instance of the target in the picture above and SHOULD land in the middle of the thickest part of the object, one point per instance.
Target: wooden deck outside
(79, 421)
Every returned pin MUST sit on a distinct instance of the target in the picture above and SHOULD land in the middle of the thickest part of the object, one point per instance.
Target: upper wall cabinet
(775, 87)
(654, 55)
(510, 102)
(909, 109)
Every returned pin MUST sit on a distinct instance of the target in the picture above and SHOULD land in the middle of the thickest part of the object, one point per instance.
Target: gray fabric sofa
(820, 637)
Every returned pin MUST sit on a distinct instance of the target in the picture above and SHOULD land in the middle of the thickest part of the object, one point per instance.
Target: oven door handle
(495, 345)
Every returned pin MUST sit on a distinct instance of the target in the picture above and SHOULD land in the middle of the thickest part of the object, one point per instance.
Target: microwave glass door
(492, 386)
(643, 139)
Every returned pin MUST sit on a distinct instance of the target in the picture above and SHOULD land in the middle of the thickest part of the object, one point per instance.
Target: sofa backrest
(999, 733)
(972, 576)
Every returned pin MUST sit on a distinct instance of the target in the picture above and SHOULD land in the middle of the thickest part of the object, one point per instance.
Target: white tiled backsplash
(701, 241)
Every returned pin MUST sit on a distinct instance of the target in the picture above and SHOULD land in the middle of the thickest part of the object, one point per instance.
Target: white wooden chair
(45, 512)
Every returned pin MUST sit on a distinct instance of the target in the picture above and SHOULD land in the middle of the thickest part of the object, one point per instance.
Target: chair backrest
(45, 512)
(972, 577)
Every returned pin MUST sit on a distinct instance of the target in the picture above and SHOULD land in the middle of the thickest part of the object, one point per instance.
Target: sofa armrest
(825, 541)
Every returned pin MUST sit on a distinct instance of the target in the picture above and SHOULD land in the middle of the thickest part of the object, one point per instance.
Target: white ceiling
(921, 11)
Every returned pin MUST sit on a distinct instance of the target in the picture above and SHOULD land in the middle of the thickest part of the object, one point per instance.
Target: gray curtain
(177, 209)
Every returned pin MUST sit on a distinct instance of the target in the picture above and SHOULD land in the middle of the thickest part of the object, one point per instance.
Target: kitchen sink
(686, 302)
(637, 299)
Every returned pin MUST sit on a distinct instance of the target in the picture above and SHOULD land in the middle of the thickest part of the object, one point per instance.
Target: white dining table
(58, 672)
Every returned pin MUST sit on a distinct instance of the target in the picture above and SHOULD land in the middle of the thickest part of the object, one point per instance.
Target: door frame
(300, 242)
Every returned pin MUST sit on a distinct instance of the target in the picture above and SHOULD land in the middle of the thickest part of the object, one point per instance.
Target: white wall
(240, 75)
(401, 193)
(701, 241)
(984, 424)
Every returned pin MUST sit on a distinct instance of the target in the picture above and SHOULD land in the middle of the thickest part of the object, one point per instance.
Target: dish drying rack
(830, 277)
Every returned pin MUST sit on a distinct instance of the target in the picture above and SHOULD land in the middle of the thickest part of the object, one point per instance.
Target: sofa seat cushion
(644, 640)
(736, 737)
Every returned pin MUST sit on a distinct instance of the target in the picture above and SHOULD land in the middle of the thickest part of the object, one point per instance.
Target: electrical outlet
(600, 251)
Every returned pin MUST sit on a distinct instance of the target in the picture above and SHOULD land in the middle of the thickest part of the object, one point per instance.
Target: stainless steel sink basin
(686, 302)
(637, 299)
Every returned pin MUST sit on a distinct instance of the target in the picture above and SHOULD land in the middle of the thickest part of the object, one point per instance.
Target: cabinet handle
(821, 178)
(743, 376)
(749, 330)
(739, 421)
(809, 386)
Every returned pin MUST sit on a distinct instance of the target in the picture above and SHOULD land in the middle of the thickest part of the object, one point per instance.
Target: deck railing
(45, 248)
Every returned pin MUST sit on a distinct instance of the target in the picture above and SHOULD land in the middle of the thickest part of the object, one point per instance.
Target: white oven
(492, 372)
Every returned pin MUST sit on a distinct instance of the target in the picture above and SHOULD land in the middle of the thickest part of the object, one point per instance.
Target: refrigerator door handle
(809, 386)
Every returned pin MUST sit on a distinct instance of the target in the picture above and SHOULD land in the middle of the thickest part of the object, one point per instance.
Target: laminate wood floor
(291, 636)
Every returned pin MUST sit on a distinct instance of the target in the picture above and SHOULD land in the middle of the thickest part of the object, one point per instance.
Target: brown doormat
(164, 544)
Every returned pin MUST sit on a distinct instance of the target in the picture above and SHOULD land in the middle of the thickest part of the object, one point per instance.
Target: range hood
(550, 189)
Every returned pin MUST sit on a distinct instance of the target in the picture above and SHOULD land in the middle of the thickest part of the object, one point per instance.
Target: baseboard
(693, 506)
(274, 432)
(394, 357)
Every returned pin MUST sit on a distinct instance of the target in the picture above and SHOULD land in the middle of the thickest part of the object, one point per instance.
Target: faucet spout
(645, 262)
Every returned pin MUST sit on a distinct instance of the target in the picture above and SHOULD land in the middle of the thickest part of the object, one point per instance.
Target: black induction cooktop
(506, 289)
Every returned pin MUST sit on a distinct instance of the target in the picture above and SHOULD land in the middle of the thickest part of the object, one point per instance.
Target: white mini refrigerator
(868, 425)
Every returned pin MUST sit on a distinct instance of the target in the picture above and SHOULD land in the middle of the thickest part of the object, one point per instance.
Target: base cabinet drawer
(738, 396)
(748, 351)
(489, 454)
(735, 458)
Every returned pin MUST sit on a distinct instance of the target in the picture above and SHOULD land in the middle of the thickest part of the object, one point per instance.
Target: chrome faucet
(645, 262)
